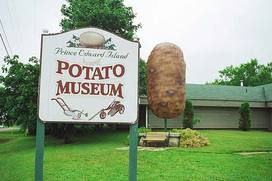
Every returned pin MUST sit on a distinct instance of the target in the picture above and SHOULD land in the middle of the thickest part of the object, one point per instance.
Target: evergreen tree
(245, 117)
(188, 115)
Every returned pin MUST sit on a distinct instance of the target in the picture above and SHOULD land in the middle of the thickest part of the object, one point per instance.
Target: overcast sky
(213, 34)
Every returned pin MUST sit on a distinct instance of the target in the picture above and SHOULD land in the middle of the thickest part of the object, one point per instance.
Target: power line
(5, 35)
(12, 22)
(4, 44)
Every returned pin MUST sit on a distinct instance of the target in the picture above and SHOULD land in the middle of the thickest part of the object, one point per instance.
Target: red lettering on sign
(89, 73)
(62, 66)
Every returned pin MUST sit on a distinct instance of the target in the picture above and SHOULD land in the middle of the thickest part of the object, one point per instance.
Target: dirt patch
(254, 153)
(140, 148)
(4, 140)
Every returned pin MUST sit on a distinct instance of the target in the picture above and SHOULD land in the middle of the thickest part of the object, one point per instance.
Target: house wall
(260, 118)
(270, 121)
(215, 117)
(155, 122)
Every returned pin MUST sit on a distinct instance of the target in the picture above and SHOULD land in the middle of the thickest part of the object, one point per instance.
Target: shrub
(245, 117)
(84, 128)
(176, 130)
(188, 117)
(191, 138)
(143, 130)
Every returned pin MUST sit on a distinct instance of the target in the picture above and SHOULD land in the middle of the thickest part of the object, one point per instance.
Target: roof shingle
(230, 93)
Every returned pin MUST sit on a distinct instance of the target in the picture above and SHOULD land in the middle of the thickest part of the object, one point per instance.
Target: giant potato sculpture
(166, 80)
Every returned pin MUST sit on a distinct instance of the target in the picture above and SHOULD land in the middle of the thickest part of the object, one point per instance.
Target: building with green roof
(218, 107)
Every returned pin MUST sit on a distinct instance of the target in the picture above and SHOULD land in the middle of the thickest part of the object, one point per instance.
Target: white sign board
(88, 76)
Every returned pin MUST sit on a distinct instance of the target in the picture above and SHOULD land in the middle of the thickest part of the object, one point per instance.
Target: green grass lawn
(95, 157)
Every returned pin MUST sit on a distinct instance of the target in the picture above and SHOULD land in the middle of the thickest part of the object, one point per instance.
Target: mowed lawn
(96, 157)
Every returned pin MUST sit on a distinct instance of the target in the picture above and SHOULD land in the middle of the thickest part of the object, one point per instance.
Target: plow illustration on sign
(76, 114)
(111, 110)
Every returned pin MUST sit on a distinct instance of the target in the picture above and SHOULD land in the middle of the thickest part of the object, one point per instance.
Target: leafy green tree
(142, 77)
(111, 15)
(3, 115)
(251, 73)
(245, 117)
(19, 92)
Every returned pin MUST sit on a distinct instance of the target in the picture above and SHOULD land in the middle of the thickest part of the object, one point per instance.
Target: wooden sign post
(88, 76)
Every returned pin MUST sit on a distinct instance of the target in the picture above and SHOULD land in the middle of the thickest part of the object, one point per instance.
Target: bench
(156, 137)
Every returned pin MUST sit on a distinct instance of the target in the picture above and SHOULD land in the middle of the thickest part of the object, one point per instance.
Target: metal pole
(39, 151)
(165, 125)
(133, 143)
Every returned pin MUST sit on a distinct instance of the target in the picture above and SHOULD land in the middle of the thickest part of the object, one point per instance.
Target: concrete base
(174, 142)
(174, 139)
(141, 142)
(141, 137)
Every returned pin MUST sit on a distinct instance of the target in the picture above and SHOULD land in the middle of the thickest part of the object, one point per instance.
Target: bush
(143, 130)
(81, 129)
(176, 130)
(188, 118)
(191, 138)
(245, 117)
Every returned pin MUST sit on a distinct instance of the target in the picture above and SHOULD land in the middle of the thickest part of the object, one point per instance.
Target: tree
(251, 73)
(245, 117)
(188, 115)
(189, 119)
(111, 15)
(19, 92)
(3, 115)
(142, 77)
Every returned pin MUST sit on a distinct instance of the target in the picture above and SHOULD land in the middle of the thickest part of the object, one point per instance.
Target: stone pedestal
(141, 137)
(174, 139)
